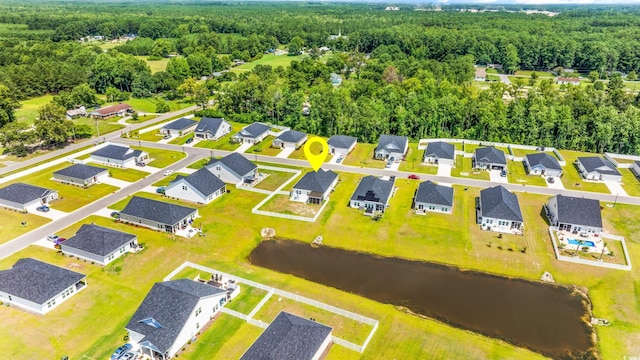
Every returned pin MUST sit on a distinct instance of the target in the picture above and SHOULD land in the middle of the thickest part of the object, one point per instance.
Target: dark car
(115, 214)
(503, 173)
(550, 180)
(414, 177)
(43, 208)
(59, 240)
(189, 140)
(160, 190)
(120, 351)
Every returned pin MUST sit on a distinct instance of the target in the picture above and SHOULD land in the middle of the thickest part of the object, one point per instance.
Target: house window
(218, 168)
(197, 325)
(445, 209)
(198, 311)
(10, 298)
(184, 187)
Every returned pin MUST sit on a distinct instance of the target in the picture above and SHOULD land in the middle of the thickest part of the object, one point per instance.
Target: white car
(168, 172)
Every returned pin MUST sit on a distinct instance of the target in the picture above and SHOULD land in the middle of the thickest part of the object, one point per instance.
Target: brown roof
(481, 72)
(568, 79)
(112, 109)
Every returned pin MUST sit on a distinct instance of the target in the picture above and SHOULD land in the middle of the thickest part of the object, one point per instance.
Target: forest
(406, 72)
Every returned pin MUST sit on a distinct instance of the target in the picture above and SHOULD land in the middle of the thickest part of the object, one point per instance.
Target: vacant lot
(413, 162)
(11, 224)
(126, 174)
(362, 155)
(161, 158)
(464, 169)
(155, 65)
(29, 109)
(281, 204)
(268, 59)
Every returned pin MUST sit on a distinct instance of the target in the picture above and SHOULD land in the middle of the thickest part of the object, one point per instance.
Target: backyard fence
(612, 157)
(571, 259)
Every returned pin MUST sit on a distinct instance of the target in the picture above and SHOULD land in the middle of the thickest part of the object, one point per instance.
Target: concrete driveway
(615, 188)
(394, 166)
(285, 152)
(444, 170)
(494, 176)
(52, 214)
(557, 184)
(244, 147)
(115, 182)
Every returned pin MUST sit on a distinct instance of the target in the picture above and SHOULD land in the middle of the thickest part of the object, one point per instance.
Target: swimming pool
(584, 242)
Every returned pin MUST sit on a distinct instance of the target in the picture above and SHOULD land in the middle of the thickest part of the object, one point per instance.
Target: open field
(268, 59)
(161, 158)
(540, 73)
(126, 174)
(464, 168)
(103, 126)
(362, 155)
(413, 162)
(148, 105)
(571, 178)
(29, 109)
(282, 205)
(155, 65)
(517, 175)
(11, 224)
(274, 180)
(38, 153)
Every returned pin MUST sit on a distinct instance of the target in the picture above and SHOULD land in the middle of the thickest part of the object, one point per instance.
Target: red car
(414, 177)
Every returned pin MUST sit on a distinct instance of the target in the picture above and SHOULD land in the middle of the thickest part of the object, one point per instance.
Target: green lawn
(148, 105)
(264, 147)
(161, 158)
(571, 178)
(630, 183)
(224, 143)
(522, 152)
(268, 59)
(181, 140)
(38, 153)
(362, 155)
(199, 164)
(104, 126)
(282, 205)
(517, 175)
(471, 148)
(274, 180)
(168, 179)
(539, 73)
(152, 136)
(29, 109)
(464, 169)
(413, 162)
(11, 224)
(130, 175)
(155, 65)
(248, 298)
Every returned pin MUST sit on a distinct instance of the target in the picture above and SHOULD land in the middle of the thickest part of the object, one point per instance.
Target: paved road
(81, 144)
(504, 78)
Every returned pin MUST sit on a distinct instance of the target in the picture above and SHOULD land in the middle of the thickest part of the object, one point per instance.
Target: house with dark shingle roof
(341, 144)
(597, 169)
(433, 197)
(577, 215)
(37, 286)
(212, 128)
(542, 164)
(499, 210)
(391, 147)
(439, 152)
(99, 244)
(118, 155)
(172, 313)
(635, 168)
(109, 111)
(290, 139)
(252, 134)
(290, 337)
(200, 187)
(234, 169)
(314, 187)
(81, 174)
(179, 127)
(157, 215)
(489, 158)
(372, 194)
(22, 197)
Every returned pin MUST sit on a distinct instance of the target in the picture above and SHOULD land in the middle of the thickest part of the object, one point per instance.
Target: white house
(542, 164)
(200, 187)
(341, 144)
(157, 215)
(433, 197)
(392, 147)
(118, 155)
(372, 194)
(597, 169)
(23, 197)
(99, 244)
(314, 187)
(234, 169)
(212, 128)
(179, 127)
(635, 168)
(499, 210)
(290, 139)
(439, 152)
(565, 80)
(578, 215)
(489, 158)
(252, 134)
(81, 174)
(480, 74)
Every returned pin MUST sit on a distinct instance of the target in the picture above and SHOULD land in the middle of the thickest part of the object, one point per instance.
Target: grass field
(168, 179)
(362, 155)
(282, 205)
(130, 175)
(38, 153)
(161, 158)
(155, 65)
(248, 298)
(464, 169)
(413, 162)
(148, 105)
(11, 224)
(571, 178)
(522, 152)
(29, 109)
(181, 140)
(268, 59)
(539, 73)
(152, 136)
(630, 183)
(517, 175)
(264, 147)
(274, 180)
(104, 126)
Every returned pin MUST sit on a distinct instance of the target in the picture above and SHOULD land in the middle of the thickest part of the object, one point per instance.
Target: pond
(545, 318)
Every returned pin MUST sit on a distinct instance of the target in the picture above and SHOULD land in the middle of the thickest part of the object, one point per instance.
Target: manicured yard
(264, 147)
(471, 148)
(224, 143)
(153, 136)
(199, 164)
(11, 224)
(181, 140)
(630, 182)
(522, 152)
(148, 105)
(362, 155)
(413, 162)
(517, 175)
(571, 178)
(104, 126)
(38, 153)
(274, 180)
(161, 158)
(168, 179)
(268, 59)
(464, 169)
(248, 298)
(281, 204)
(131, 175)
(29, 109)
(155, 65)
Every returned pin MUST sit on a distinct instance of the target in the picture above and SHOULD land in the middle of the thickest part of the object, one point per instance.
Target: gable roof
(578, 211)
(159, 211)
(392, 143)
(341, 141)
(37, 281)
(498, 203)
(81, 171)
(254, 130)
(180, 124)
(543, 159)
(291, 136)
(491, 155)
(440, 150)
(432, 193)
(111, 109)
(23, 193)
(373, 189)
(166, 308)
(211, 125)
(203, 181)
(117, 152)
(599, 165)
(316, 181)
(236, 163)
(98, 240)
(288, 337)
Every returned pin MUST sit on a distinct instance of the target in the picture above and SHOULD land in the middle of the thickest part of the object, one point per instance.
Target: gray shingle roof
(373, 189)
(432, 193)
(490, 155)
(599, 165)
(440, 150)
(291, 136)
(98, 240)
(203, 181)
(211, 125)
(288, 337)
(81, 171)
(341, 141)
(254, 130)
(23, 193)
(543, 159)
(36, 281)
(236, 163)
(498, 203)
(170, 304)
(318, 181)
(158, 211)
(180, 124)
(579, 211)
(392, 143)
(637, 163)
(117, 152)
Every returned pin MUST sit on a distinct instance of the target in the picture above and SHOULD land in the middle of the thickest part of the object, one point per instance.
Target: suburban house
(597, 168)
(200, 187)
(212, 128)
(392, 147)
(109, 111)
(335, 79)
(481, 74)
(635, 168)
(179, 127)
(157, 215)
(499, 210)
(173, 313)
(489, 158)
(118, 155)
(76, 113)
(234, 169)
(290, 139)
(439, 152)
(20, 196)
(542, 164)
(566, 80)
(372, 194)
(99, 244)
(433, 197)
(81, 174)
(36, 286)
(314, 187)
(341, 144)
(576, 215)
(290, 337)
(252, 134)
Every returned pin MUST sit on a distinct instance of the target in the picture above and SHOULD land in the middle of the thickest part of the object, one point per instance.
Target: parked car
(129, 356)
(189, 140)
(389, 163)
(115, 214)
(43, 208)
(339, 160)
(550, 180)
(168, 172)
(503, 173)
(414, 177)
(160, 190)
(119, 353)
(168, 136)
(59, 241)
(53, 238)
(141, 164)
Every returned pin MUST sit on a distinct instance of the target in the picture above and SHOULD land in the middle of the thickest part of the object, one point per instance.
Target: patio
(586, 243)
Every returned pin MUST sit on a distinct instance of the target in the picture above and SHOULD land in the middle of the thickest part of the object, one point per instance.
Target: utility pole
(97, 129)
